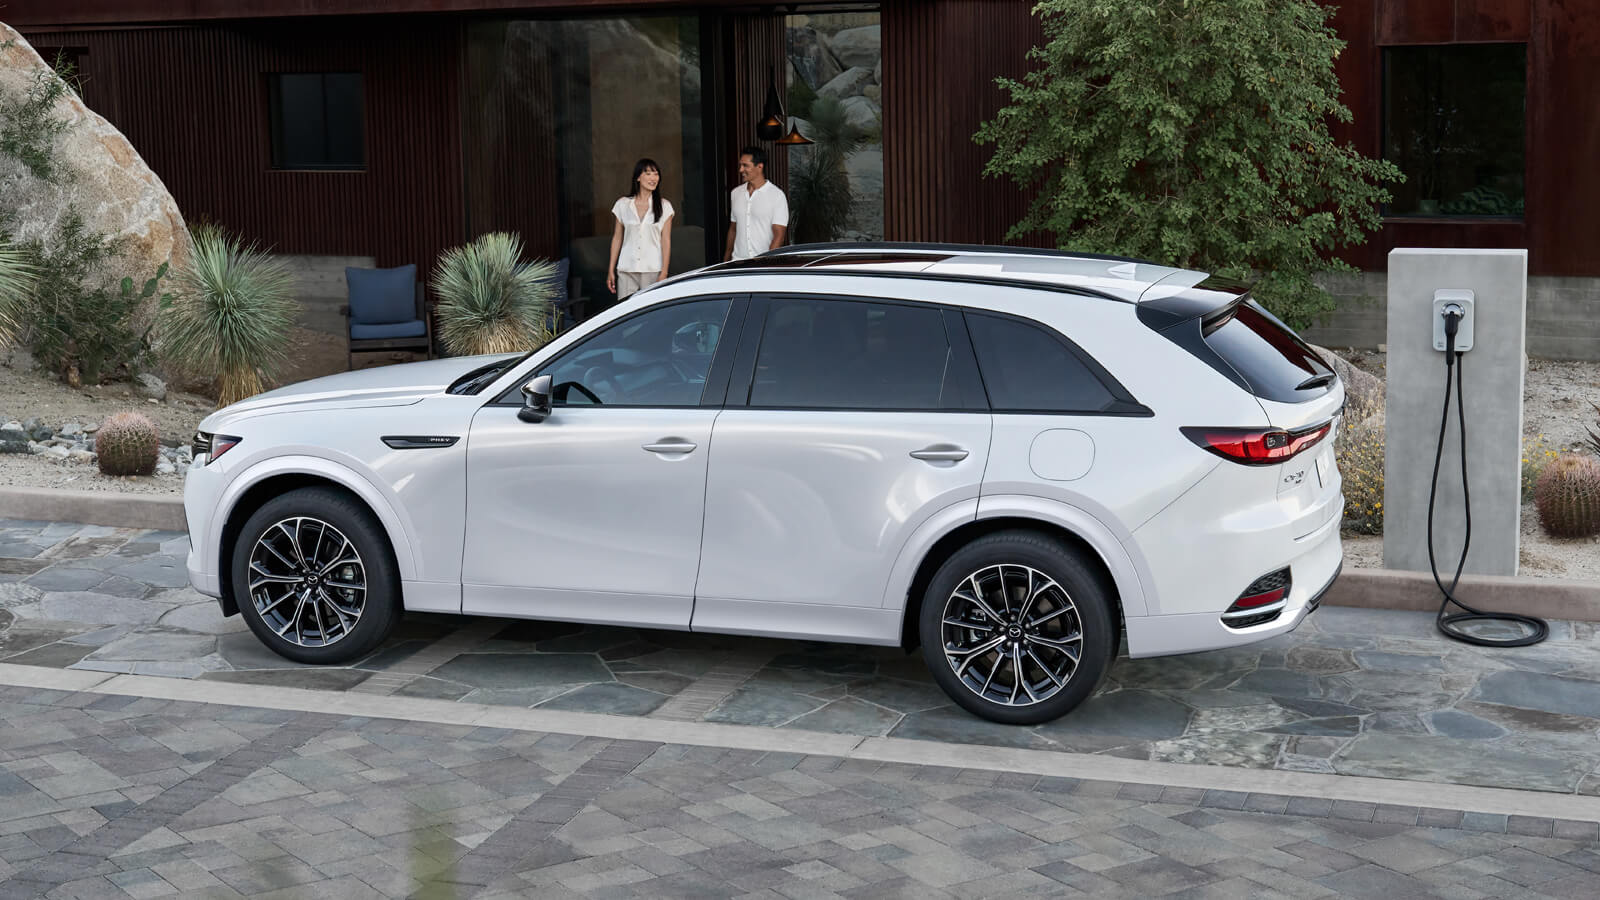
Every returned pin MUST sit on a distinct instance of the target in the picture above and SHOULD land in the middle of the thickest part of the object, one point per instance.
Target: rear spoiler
(1213, 300)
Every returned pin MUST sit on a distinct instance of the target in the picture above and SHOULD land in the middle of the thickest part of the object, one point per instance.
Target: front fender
(396, 523)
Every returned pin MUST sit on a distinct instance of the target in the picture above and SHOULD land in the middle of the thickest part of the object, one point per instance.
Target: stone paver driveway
(1352, 691)
(118, 796)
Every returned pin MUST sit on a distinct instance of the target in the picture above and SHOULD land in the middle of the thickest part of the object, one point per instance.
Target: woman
(641, 244)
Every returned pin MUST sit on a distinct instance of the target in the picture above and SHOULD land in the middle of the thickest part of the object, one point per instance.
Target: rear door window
(850, 354)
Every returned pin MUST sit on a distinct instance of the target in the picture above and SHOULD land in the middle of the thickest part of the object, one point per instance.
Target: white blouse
(641, 238)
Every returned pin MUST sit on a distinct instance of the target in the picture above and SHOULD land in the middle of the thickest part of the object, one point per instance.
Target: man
(760, 210)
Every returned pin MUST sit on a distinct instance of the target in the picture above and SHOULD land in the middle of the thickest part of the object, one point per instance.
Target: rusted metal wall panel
(193, 101)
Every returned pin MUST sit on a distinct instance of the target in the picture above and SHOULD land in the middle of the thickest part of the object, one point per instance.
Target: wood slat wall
(194, 102)
(940, 60)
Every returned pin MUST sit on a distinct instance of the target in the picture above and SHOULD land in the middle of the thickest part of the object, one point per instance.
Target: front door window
(658, 359)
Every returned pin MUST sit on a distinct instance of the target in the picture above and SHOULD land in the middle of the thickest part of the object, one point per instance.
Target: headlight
(208, 447)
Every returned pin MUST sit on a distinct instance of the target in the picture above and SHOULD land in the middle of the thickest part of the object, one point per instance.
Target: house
(383, 131)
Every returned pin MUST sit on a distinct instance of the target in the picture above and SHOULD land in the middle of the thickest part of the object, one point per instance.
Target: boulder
(874, 93)
(862, 113)
(811, 57)
(103, 178)
(849, 83)
(857, 46)
(150, 386)
(1363, 391)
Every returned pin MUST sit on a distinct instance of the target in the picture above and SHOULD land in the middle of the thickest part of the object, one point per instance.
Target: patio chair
(387, 311)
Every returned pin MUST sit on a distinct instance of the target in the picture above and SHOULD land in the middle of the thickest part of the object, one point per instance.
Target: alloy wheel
(1012, 635)
(307, 582)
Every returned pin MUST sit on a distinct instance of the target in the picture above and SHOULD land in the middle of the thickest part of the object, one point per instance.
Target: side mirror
(535, 400)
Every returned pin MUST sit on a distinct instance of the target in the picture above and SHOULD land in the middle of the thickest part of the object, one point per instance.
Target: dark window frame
(276, 149)
(1385, 62)
(1128, 406)
(963, 365)
(722, 359)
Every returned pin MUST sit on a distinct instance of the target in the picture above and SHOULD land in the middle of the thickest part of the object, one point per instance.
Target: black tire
(1087, 607)
(380, 605)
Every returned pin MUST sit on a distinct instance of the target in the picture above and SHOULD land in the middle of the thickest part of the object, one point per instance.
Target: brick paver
(105, 796)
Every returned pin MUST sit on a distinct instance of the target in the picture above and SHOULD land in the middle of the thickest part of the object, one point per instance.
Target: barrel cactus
(1568, 496)
(128, 444)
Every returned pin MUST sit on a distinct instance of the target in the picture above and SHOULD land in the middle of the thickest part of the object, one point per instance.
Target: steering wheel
(575, 386)
(599, 378)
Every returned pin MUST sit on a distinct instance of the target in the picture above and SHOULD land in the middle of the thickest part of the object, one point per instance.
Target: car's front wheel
(314, 577)
(1016, 628)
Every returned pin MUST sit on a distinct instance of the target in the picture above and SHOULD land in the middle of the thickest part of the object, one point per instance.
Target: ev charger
(1442, 300)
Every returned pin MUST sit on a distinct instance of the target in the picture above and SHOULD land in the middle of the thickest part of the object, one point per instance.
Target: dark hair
(639, 168)
(758, 156)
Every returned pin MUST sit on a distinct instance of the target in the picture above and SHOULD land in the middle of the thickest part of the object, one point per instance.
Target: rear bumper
(1313, 573)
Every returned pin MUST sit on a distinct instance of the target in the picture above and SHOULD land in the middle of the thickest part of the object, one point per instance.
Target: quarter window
(657, 358)
(1025, 368)
(847, 354)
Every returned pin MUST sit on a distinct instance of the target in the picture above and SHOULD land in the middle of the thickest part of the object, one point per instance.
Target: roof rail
(913, 246)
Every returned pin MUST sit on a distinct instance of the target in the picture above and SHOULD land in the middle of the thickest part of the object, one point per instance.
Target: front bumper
(202, 489)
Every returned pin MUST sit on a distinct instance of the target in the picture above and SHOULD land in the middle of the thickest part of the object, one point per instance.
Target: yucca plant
(490, 301)
(231, 316)
(16, 278)
(819, 183)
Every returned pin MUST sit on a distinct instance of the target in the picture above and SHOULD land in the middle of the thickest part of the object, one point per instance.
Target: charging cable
(1450, 624)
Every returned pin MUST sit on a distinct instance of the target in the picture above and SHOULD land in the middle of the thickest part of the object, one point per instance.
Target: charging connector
(1452, 308)
(1452, 333)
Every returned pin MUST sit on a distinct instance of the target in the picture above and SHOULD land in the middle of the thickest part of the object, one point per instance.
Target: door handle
(940, 453)
(671, 445)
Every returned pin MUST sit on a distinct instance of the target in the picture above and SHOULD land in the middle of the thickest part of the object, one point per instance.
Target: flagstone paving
(1361, 692)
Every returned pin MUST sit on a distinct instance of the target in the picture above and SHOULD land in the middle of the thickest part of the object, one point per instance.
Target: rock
(103, 179)
(32, 423)
(13, 425)
(82, 457)
(35, 448)
(41, 433)
(150, 386)
(857, 46)
(71, 429)
(811, 57)
(171, 441)
(165, 467)
(1363, 390)
(877, 72)
(874, 93)
(185, 453)
(862, 113)
(13, 440)
(91, 428)
(56, 454)
(849, 83)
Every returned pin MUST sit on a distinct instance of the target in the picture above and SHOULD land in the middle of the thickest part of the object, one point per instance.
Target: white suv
(1015, 458)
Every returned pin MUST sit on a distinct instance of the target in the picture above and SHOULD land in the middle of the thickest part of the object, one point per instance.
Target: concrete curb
(114, 508)
(1546, 598)
(1368, 588)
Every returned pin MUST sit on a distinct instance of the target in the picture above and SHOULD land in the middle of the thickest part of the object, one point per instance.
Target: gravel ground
(1556, 398)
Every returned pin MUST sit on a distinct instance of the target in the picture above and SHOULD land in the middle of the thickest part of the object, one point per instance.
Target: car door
(848, 424)
(594, 513)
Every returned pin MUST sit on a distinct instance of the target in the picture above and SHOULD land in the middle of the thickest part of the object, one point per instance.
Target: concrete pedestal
(1493, 379)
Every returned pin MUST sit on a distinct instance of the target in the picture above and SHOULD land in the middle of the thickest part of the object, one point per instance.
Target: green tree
(1194, 133)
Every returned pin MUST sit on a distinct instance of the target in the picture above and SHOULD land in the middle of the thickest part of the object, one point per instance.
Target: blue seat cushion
(379, 296)
(363, 332)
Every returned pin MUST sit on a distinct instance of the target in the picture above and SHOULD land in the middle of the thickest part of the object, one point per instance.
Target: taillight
(1256, 446)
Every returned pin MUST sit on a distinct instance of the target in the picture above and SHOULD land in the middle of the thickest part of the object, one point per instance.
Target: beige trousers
(628, 282)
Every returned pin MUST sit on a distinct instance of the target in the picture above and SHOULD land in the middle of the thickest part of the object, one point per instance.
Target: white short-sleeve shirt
(754, 215)
(641, 238)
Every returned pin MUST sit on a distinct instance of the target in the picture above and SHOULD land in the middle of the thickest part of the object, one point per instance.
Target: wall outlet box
(1442, 299)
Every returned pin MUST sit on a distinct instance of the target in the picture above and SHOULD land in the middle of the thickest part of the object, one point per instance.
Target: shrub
(1360, 456)
(28, 126)
(1568, 496)
(490, 301)
(127, 444)
(16, 278)
(1195, 134)
(818, 182)
(231, 318)
(84, 326)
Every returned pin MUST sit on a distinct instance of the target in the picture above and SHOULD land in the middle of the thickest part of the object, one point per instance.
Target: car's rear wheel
(1017, 628)
(314, 577)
